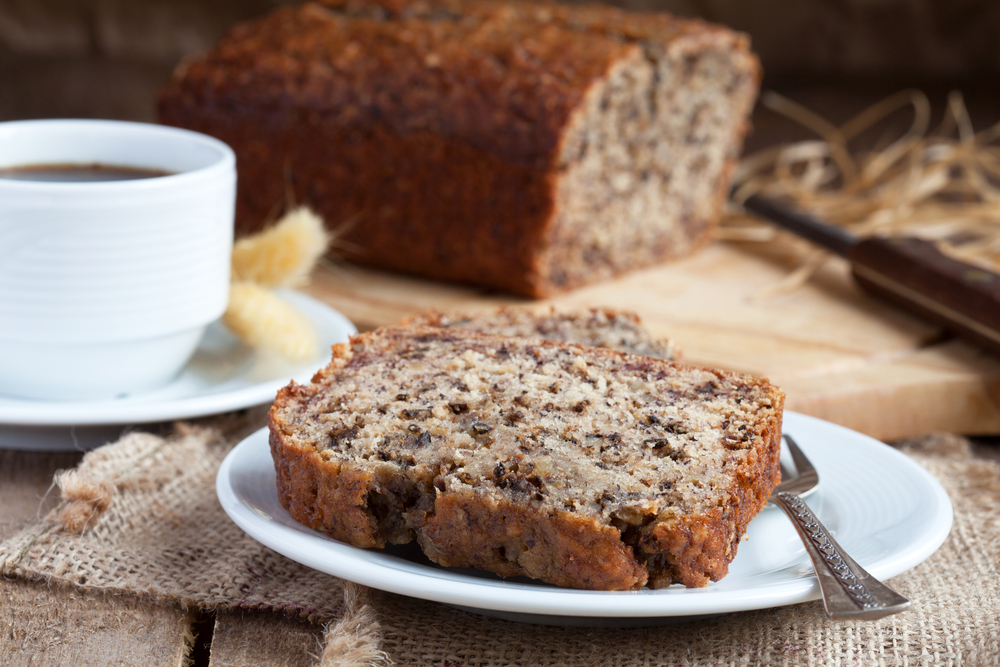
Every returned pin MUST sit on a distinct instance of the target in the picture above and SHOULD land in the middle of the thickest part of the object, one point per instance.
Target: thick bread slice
(579, 466)
(597, 327)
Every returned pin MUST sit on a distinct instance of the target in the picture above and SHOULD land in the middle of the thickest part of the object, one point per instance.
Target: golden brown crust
(369, 501)
(321, 494)
(701, 548)
(511, 540)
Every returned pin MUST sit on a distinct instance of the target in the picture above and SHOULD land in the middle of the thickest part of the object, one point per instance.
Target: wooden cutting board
(838, 354)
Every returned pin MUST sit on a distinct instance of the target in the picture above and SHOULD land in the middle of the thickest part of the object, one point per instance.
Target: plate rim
(509, 596)
(16, 411)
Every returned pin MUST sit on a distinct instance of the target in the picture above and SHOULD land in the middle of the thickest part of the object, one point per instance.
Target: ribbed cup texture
(135, 266)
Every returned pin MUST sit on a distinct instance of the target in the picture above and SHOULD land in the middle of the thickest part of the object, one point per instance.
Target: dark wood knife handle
(915, 275)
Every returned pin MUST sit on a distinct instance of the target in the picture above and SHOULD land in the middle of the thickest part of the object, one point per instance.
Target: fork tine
(802, 464)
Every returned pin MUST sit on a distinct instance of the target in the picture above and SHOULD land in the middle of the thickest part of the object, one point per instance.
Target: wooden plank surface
(838, 354)
(43, 624)
(63, 627)
(250, 638)
(50, 625)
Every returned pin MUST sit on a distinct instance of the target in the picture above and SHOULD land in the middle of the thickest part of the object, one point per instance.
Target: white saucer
(884, 509)
(223, 375)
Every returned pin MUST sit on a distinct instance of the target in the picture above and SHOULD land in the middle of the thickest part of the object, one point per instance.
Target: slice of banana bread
(578, 466)
(597, 327)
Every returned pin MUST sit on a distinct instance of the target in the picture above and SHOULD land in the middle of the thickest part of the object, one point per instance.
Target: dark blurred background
(106, 58)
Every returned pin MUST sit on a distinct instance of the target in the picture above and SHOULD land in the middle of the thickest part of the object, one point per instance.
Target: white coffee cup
(107, 287)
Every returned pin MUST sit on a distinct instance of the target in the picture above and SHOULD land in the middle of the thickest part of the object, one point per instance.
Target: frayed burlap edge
(355, 639)
(139, 517)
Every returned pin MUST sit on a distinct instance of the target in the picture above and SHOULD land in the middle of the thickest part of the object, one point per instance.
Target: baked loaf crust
(578, 466)
(597, 327)
(523, 146)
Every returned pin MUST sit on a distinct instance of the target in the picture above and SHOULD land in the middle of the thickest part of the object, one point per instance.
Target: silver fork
(849, 592)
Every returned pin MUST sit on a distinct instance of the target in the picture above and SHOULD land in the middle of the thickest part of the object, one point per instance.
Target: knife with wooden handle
(909, 272)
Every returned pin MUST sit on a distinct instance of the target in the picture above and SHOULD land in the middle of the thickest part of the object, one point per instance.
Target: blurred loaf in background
(526, 147)
(107, 58)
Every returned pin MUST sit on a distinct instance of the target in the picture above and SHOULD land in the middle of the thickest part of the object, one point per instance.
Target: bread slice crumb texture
(597, 327)
(579, 466)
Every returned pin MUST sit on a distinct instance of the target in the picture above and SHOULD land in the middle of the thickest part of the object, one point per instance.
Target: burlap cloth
(140, 518)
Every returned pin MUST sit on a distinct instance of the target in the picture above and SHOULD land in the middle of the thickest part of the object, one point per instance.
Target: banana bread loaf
(522, 146)
(578, 466)
(596, 327)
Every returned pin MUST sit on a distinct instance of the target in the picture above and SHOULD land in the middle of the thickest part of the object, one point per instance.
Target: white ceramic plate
(884, 509)
(223, 375)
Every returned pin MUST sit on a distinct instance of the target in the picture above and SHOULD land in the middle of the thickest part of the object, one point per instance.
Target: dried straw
(941, 185)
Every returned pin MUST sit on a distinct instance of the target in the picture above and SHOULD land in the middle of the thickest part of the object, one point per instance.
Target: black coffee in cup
(78, 173)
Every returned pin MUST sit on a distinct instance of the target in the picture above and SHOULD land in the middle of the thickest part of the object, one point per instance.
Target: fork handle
(849, 592)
